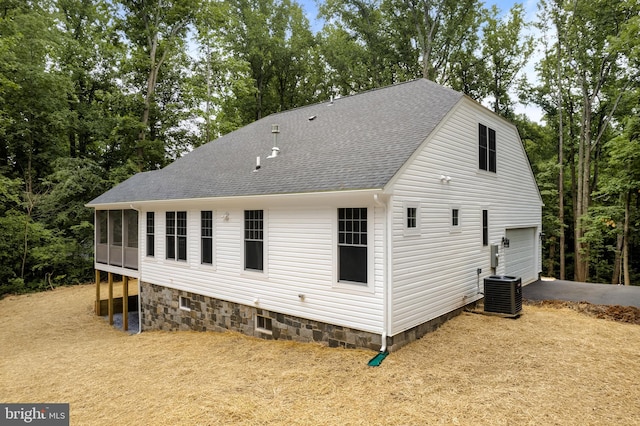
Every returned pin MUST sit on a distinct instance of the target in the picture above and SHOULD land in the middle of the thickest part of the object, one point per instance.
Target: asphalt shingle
(356, 142)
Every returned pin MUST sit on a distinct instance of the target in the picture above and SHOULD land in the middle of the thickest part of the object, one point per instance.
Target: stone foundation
(160, 310)
(399, 340)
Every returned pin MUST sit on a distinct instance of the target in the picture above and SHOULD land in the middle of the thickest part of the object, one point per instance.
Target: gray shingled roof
(358, 142)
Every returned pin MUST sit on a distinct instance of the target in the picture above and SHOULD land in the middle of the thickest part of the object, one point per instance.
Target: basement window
(264, 324)
(185, 303)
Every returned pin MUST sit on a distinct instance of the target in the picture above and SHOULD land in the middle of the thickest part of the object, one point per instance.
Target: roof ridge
(373, 89)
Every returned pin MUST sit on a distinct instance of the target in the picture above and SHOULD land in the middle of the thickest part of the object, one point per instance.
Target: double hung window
(486, 148)
(352, 245)
(176, 230)
(150, 234)
(254, 240)
(206, 236)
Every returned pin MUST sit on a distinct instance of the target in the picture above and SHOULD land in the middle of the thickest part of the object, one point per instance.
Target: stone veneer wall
(160, 310)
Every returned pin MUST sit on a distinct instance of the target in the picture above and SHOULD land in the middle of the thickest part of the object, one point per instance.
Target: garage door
(520, 256)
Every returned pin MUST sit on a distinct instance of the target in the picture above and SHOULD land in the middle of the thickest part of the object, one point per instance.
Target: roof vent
(275, 129)
(274, 152)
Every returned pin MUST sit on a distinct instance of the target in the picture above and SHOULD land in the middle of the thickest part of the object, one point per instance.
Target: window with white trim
(411, 217)
(176, 235)
(264, 324)
(411, 225)
(485, 227)
(254, 240)
(352, 245)
(185, 303)
(455, 218)
(206, 237)
(151, 234)
(486, 148)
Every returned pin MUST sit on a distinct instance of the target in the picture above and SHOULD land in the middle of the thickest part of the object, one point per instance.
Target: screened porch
(117, 238)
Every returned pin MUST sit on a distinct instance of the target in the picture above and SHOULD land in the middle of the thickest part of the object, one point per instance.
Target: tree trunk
(260, 87)
(625, 246)
(615, 278)
(154, 68)
(72, 144)
(584, 174)
(29, 204)
(560, 165)
(552, 254)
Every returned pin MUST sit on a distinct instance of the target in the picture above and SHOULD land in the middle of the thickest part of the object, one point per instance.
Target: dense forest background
(93, 91)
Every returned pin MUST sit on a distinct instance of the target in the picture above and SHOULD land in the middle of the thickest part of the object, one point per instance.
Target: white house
(362, 222)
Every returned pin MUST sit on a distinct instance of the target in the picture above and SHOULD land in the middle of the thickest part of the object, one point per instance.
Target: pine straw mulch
(628, 314)
(550, 366)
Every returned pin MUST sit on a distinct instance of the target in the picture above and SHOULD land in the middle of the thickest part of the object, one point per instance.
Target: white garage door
(520, 256)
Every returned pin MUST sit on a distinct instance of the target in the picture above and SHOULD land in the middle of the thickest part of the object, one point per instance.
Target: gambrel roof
(355, 142)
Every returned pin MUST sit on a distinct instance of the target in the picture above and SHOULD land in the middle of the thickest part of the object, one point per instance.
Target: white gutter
(238, 199)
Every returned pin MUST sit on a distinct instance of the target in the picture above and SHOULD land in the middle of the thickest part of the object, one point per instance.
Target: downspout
(139, 273)
(387, 284)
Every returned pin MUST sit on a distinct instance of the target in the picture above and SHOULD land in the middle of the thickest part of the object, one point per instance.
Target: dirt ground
(553, 365)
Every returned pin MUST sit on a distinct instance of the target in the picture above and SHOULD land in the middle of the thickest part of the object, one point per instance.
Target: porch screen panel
(115, 237)
(102, 236)
(131, 239)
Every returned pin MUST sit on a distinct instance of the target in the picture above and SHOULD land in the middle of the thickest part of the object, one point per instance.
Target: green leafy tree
(622, 188)
(156, 31)
(506, 50)
(270, 45)
(68, 228)
(584, 93)
(442, 30)
(34, 100)
(89, 49)
(12, 220)
(361, 46)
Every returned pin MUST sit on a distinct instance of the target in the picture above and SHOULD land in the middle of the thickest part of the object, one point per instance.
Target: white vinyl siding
(520, 255)
(436, 272)
(301, 245)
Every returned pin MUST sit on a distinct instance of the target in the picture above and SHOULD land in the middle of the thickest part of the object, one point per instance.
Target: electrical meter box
(495, 255)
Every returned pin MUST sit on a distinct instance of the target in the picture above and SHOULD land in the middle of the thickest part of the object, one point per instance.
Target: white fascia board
(291, 199)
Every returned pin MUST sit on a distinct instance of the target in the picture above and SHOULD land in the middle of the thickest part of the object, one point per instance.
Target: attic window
(486, 148)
